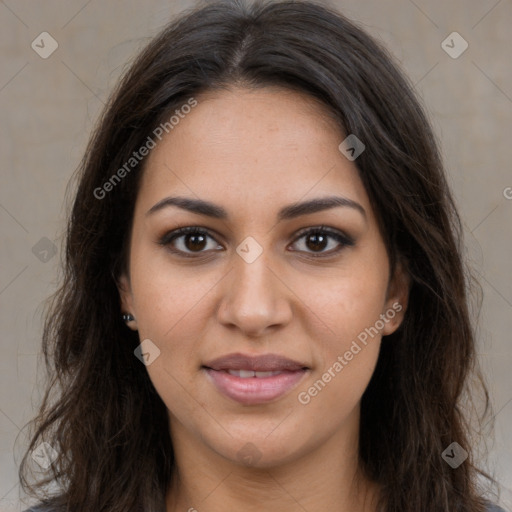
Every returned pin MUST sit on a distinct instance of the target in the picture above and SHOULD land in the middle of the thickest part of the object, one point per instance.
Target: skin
(253, 152)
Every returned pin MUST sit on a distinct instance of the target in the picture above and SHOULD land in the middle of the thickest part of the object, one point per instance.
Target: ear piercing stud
(127, 317)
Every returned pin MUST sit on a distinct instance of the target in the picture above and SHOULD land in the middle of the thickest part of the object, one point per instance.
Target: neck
(327, 478)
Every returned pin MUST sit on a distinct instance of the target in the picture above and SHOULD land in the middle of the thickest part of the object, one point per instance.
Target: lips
(263, 363)
(252, 380)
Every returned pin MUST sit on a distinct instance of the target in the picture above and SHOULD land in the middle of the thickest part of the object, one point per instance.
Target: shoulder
(494, 508)
(41, 508)
(491, 507)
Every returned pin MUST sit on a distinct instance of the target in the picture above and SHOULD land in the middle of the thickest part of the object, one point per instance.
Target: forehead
(246, 145)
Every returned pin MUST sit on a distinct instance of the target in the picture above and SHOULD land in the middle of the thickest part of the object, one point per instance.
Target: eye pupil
(194, 237)
(316, 244)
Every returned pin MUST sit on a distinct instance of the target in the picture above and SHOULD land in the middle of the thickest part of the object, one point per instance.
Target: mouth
(252, 380)
(247, 374)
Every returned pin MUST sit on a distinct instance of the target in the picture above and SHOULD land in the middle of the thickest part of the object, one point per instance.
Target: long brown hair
(101, 413)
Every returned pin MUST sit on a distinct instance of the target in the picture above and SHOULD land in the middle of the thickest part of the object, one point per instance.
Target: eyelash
(341, 238)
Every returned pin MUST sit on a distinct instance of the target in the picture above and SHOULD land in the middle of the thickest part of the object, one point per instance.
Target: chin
(259, 451)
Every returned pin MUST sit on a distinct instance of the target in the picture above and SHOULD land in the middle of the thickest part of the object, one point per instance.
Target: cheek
(173, 307)
(343, 305)
(346, 350)
(347, 339)
(333, 396)
(169, 298)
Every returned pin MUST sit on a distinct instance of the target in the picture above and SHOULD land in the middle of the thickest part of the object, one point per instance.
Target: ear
(397, 299)
(126, 298)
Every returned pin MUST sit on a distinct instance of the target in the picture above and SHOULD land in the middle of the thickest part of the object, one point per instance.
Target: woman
(264, 303)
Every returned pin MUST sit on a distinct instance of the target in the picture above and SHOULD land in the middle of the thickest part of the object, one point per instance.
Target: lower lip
(254, 390)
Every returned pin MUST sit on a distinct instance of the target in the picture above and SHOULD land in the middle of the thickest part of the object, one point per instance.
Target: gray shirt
(491, 508)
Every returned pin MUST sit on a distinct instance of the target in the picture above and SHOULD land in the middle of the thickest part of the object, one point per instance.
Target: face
(265, 320)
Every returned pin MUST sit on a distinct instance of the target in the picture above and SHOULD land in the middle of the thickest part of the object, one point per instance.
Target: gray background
(49, 105)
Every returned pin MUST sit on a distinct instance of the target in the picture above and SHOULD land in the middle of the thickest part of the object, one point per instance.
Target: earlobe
(126, 299)
(130, 321)
(397, 299)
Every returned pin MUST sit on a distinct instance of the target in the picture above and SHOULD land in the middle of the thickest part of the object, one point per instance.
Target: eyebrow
(291, 211)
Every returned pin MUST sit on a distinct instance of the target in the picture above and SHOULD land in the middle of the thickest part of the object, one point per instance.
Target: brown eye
(194, 242)
(316, 240)
(188, 240)
(191, 241)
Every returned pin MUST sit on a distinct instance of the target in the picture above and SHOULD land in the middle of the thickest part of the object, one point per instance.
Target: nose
(254, 298)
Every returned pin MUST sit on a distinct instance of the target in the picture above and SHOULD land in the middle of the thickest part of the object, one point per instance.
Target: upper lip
(261, 363)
